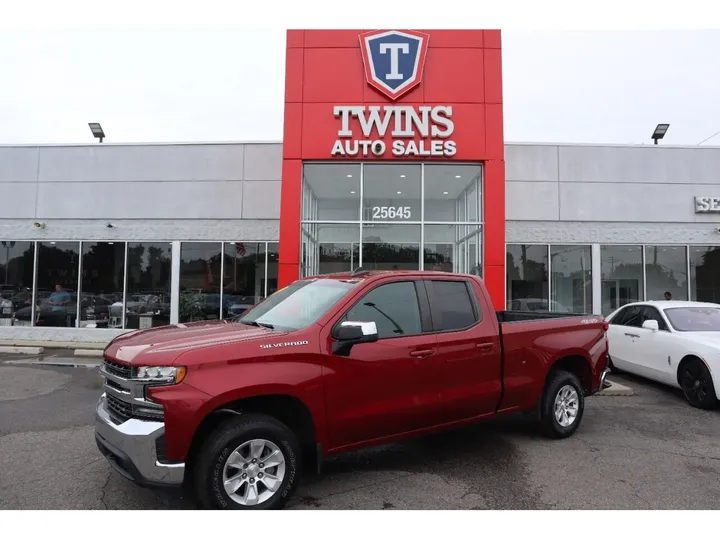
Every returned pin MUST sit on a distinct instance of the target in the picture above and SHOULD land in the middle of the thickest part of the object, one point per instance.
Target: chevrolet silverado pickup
(237, 410)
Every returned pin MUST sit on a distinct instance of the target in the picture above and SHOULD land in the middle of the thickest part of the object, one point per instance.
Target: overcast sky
(228, 85)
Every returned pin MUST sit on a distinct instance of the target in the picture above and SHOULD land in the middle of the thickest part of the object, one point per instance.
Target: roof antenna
(359, 271)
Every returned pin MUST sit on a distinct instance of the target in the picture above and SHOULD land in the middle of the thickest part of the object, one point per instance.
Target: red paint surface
(463, 69)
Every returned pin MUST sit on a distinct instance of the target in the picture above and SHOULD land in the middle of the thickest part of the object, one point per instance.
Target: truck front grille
(118, 409)
(117, 369)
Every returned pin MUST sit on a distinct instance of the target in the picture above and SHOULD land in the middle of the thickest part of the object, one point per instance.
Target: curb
(94, 353)
(54, 363)
(9, 349)
(616, 389)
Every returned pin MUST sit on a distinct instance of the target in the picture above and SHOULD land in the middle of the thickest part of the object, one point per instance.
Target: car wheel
(250, 462)
(562, 406)
(697, 385)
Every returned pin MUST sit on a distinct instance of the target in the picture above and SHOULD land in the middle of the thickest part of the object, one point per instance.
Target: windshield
(694, 319)
(299, 305)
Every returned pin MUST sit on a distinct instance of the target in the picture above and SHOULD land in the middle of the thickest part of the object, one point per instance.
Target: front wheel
(250, 462)
(697, 385)
(562, 405)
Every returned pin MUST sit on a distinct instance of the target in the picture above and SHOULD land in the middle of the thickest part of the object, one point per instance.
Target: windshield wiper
(259, 324)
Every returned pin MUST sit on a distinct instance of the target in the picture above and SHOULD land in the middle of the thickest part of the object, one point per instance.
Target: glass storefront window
(102, 284)
(392, 193)
(452, 192)
(666, 272)
(391, 247)
(705, 274)
(273, 258)
(331, 192)
(527, 277)
(200, 281)
(16, 278)
(394, 203)
(58, 265)
(571, 279)
(453, 248)
(244, 277)
(149, 274)
(329, 248)
(622, 276)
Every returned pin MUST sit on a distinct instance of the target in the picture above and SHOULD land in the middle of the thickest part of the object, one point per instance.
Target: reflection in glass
(391, 193)
(149, 268)
(452, 248)
(622, 276)
(391, 247)
(452, 192)
(101, 287)
(331, 192)
(244, 277)
(16, 277)
(273, 249)
(705, 274)
(527, 277)
(329, 248)
(666, 271)
(56, 288)
(199, 281)
(571, 284)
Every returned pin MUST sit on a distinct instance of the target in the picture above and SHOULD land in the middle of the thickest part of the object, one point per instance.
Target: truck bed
(524, 316)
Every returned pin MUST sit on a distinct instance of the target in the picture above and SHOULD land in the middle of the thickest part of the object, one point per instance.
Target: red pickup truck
(236, 410)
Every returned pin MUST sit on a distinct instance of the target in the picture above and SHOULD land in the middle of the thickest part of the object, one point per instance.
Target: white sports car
(671, 342)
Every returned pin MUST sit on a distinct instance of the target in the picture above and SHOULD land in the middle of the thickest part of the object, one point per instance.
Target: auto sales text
(433, 125)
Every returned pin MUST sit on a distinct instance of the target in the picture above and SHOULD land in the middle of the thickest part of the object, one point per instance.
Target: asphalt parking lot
(646, 451)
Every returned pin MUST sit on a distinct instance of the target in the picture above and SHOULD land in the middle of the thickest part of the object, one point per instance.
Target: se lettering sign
(707, 205)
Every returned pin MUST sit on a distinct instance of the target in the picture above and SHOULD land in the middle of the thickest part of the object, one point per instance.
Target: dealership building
(393, 157)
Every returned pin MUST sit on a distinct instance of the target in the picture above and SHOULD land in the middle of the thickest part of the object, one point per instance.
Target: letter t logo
(394, 49)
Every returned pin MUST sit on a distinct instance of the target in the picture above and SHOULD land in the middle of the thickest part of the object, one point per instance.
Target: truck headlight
(161, 374)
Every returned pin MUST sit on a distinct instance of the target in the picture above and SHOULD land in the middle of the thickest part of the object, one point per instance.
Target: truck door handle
(422, 353)
(485, 346)
(632, 335)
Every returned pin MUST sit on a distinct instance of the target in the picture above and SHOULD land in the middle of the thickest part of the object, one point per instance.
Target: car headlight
(161, 374)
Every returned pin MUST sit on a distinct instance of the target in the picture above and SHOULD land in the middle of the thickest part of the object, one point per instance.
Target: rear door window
(451, 305)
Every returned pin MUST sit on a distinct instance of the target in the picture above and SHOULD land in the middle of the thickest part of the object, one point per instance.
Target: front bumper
(131, 449)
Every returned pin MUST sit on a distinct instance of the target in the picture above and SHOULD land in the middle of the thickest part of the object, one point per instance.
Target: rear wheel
(251, 462)
(562, 405)
(697, 385)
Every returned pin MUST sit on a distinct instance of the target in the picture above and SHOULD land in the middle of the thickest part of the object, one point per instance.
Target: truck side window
(393, 307)
(452, 307)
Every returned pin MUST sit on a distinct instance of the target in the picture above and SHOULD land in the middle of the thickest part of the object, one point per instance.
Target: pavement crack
(103, 489)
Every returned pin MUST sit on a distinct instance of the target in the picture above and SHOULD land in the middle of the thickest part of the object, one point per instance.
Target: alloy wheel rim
(694, 385)
(254, 472)
(566, 406)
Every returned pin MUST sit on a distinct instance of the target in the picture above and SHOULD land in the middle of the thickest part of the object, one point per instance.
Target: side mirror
(351, 333)
(651, 325)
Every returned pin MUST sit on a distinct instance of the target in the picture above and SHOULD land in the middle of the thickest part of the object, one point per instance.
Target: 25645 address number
(391, 212)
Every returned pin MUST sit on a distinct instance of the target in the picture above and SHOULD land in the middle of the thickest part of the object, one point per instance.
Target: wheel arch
(289, 410)
(689, 357)
(576, 364)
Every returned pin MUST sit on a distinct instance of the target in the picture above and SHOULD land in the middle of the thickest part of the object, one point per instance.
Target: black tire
(697, 385)
(220, 445)
(560, 381)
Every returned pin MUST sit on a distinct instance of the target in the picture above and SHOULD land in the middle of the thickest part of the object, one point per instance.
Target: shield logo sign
(394, 60)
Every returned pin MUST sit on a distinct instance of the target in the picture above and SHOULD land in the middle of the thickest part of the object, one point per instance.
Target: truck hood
(164, 344)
